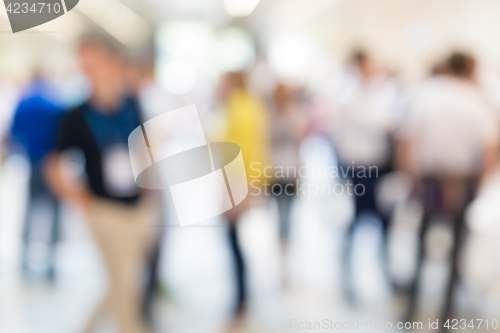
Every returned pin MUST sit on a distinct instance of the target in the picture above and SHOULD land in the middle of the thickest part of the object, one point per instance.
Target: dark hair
(359, 56)
(237, 78)
(461, 64)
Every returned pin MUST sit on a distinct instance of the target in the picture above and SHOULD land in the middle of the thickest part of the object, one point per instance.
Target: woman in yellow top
(247, 125)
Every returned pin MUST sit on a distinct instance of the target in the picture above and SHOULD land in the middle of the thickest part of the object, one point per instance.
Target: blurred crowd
(437, 138)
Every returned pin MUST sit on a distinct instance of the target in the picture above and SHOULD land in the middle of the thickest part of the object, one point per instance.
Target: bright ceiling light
(291, 56)
(178, 77)
(235, 50)
(237, 8)
(186, 41)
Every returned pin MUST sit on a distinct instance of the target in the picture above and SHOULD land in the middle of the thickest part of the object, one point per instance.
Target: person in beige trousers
(120, 215)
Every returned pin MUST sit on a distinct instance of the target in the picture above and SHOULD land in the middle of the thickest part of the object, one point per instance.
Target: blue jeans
(38, 191)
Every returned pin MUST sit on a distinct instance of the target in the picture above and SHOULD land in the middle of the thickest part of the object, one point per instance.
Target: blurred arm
(64, 186)
(405, 158)
(490, 161)
(490, 138)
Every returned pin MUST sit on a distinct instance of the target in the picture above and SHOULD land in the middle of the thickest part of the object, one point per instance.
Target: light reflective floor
(196, 273)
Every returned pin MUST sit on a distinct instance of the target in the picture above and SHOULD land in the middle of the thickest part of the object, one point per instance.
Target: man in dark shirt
(102, 137)
(120, 215)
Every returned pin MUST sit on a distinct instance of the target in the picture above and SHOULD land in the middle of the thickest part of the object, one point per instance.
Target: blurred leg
(371, 185)
(104, 308)
(413, 301)
(115, 256)
(284, 202)
(151, 278)
(130, 318)
(458, 193)
(28, 224)
(347, 272)
(364, 202)
(54, 237)
(35, 192)
(384, 249)
(458, 232)
(122, 234)
(239, 266)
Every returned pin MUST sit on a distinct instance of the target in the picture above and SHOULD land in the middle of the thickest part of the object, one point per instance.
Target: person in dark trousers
(34, 131)
(140, 78)
(363, 126)
(449, 144)
(247, 126)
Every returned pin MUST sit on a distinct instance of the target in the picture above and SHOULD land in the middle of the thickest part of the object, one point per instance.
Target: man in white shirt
(363, 124)
(449, 142)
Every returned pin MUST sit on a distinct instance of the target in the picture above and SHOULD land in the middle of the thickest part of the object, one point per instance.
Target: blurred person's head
(231, 81)
(461, 65)
(363, 62)
(103, 65)
(282, 96)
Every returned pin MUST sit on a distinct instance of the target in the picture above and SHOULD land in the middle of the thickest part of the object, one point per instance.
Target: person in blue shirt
(33, 133)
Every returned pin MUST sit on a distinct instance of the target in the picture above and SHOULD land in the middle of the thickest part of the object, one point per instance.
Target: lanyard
(110, 129)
